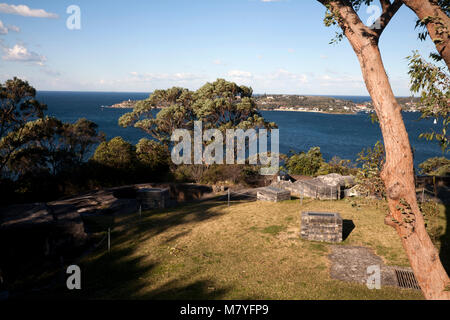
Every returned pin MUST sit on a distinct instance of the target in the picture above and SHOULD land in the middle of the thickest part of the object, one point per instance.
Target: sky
(274, 46)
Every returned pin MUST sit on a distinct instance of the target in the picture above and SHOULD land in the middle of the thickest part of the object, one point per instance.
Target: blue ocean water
(341, 135)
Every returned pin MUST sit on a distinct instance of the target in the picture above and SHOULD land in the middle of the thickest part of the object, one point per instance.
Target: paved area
(349, 263)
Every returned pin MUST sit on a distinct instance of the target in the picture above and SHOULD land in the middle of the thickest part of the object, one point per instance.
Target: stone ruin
(329, 187)
(317, 189)
(323, 227)
(153, 198)
(273, 194)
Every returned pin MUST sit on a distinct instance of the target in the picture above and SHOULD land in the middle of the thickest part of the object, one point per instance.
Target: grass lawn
(250, 250)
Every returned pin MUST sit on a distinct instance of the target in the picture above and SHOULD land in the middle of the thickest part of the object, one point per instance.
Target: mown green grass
(250, 250)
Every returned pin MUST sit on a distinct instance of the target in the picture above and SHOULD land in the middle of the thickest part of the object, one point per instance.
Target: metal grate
(406, 279)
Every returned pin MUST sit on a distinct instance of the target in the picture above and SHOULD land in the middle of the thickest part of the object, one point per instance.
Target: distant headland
(323, 104)
(128, 104)
(319, 104)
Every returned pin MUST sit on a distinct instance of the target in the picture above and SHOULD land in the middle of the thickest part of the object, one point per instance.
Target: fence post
(302, 195)
(140, 211)
(109, 239)
(423, 194)
(434, 186)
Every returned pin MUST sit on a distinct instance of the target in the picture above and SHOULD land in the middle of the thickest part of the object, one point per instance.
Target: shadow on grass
(347, 227)
(197, 290)
(156, 222)
(122, 275)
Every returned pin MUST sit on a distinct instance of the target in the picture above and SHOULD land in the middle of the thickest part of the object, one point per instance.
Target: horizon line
(259, 94)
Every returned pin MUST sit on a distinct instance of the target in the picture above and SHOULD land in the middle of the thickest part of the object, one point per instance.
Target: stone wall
(313, 188)
(324, 227)
(273, 194)
(329, 187)
(152, 198)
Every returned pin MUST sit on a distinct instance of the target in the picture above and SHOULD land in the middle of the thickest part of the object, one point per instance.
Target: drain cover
(406, 279)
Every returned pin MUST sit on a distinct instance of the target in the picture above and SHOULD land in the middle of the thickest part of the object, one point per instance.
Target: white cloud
(175, 77)
(239, 74)
(14, 28)
(218, 62)
(146, 81)
(21, 54)
(25, 11)
(5, 29)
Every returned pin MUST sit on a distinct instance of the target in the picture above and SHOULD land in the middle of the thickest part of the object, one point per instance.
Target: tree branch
(349, 21)
(437, 23)
(385, 4)
(389, 10)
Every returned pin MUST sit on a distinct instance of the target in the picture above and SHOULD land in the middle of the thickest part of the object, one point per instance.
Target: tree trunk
(438, 29)
(398, 176)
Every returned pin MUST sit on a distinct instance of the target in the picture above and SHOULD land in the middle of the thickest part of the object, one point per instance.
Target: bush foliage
(371, 161)
(436, 167)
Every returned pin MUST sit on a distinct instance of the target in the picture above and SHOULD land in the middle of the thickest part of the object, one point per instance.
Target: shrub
(183, 173)
(215, 174)
(338, 165)
(152, 155)
(307, 164)
(436, 167)
(368, 176)
(116, 153)
(430, 211)
(153, 160)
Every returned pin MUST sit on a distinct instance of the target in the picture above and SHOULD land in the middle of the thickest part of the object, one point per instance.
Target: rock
(40, 230)
(32, 235)
(24, 216)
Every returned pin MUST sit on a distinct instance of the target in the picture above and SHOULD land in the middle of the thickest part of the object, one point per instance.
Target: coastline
(311, 111)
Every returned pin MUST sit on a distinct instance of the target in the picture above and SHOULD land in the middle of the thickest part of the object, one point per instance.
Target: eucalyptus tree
(219, 105)
(432, 81)
(18, 105)
(434, 16)
(398, 170)
(48, 145)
